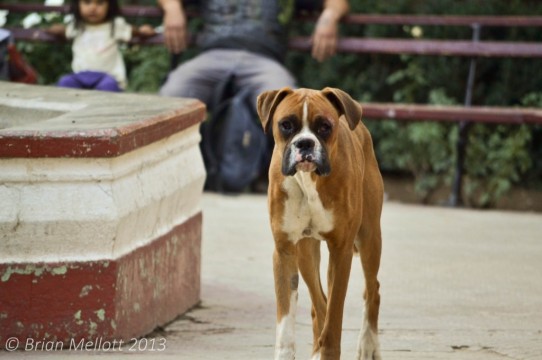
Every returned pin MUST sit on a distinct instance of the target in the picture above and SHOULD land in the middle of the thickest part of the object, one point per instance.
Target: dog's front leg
(286, 283)
(308, 262)
(340, 261)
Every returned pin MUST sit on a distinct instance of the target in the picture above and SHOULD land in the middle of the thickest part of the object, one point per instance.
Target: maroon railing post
(464, 126)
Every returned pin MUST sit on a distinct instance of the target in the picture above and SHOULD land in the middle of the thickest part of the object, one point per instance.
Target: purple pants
(90, 80)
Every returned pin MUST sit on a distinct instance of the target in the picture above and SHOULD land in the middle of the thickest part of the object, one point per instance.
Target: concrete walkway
(455, 284)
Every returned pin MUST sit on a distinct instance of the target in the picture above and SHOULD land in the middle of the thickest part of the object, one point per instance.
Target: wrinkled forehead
(305, 104)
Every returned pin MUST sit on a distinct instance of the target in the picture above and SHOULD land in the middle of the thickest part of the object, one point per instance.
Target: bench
(473, 50)
(352, 45)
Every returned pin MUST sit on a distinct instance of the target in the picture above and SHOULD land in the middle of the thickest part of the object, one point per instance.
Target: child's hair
(112, 12)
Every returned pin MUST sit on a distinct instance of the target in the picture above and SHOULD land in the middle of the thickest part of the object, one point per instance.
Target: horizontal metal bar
(356, 45)
(39, 35)
(448, 20)
(479, 114)
(430, 47)
(27, 8)
(128, 10)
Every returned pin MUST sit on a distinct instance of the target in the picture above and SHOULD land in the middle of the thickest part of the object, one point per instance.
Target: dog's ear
(345, 105)
(268, 102)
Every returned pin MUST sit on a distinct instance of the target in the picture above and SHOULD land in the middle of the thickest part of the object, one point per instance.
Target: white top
(95, 48)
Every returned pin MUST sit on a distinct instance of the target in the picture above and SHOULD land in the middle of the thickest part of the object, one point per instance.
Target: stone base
(103, 299)
(100, 215)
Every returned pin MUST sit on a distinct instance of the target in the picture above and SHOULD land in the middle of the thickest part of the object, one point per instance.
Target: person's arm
(175, 35)
(58, 30)
(326, 32)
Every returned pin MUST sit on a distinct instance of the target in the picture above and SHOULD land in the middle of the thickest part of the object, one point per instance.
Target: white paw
(369, 354)
(285, 343)
(285, 353)
(368, 347)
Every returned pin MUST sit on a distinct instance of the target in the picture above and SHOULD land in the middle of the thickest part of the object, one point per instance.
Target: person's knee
(168, 89)
(196, 78)
(68, 81)
(279, 79)
(273, 79)
(108, 83)
(182, 83)
(187, 89)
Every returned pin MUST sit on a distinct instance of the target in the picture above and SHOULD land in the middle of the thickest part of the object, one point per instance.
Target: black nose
(304, 144)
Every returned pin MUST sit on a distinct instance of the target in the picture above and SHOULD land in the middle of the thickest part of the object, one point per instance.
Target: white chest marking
(304, 213)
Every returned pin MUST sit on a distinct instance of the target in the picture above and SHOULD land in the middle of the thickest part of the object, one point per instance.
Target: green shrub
(497, 157)
(144, 75)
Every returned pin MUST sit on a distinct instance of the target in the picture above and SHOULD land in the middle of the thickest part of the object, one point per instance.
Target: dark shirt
(251, 25)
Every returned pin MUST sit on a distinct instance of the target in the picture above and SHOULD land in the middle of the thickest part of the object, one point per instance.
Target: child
(96, 30)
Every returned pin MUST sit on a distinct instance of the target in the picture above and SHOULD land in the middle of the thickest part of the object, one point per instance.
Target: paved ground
(456, 284)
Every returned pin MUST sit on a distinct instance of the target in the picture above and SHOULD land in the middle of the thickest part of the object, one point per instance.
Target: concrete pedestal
(100, 217)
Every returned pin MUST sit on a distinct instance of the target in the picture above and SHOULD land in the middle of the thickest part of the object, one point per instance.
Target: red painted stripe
(109, 299)
(100, 143)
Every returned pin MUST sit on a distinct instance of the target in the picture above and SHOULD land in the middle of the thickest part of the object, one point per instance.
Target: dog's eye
(324, 129)
(286, 126)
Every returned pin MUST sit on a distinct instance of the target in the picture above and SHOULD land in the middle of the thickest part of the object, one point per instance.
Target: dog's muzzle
(305, 154)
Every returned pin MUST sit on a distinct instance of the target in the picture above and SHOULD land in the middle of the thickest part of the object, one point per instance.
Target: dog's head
(305, 124)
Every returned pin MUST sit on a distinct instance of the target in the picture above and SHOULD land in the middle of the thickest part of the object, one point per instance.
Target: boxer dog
(324, 185)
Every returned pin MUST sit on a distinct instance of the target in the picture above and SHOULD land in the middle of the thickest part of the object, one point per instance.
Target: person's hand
(175, 35)
(325, 37)
(146, 31)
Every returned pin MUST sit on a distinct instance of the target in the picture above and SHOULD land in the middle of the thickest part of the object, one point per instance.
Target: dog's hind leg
(308, 262)
(370, 247)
